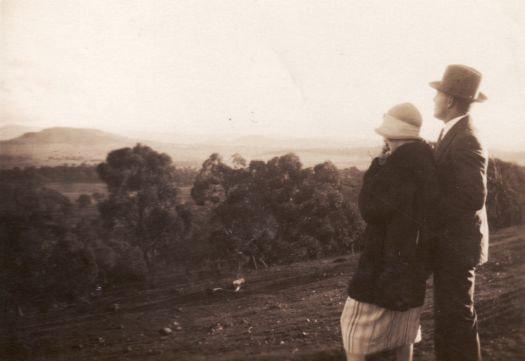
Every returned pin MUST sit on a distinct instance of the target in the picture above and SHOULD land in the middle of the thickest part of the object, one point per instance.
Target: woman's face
(389, 144)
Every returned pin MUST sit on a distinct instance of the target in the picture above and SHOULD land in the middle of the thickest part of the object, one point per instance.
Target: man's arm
(469, 166)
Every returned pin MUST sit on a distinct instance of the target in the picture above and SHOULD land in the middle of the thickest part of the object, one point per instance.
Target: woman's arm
(383, 190)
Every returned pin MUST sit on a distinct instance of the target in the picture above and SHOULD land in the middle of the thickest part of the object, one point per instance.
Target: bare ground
(281, 313)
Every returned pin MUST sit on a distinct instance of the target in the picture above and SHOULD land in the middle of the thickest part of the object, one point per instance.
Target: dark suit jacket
(461, 165)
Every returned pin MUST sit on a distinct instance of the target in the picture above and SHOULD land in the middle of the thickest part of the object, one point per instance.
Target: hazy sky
(309, 68)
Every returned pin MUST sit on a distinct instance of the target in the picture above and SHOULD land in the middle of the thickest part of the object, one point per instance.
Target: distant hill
(61, 145)
(54, 146)
(66, 136)
(11, 131)
(300, 142)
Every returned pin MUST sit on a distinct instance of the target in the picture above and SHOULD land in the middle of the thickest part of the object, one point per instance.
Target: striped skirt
(367, 328)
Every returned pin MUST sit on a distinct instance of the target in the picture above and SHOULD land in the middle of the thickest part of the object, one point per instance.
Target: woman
(387, 291)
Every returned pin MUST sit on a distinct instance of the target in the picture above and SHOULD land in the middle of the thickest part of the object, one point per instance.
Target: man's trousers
(455, 321)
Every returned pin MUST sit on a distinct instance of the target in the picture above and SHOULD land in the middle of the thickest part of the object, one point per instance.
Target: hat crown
(402, 121)
(462, 80)
(407, 113)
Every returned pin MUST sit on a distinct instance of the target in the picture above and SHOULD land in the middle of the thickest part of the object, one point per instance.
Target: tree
(238, 161)
(84, 200)
(276, 211)
(35, 239)
(141, 208)
(505, 199)
(97, 197)
(41, 260)
(210, 183)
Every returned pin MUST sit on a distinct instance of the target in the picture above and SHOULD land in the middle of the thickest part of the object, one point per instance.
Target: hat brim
(437, 85)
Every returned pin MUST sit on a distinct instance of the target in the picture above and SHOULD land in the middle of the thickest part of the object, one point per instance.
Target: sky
(274, 68)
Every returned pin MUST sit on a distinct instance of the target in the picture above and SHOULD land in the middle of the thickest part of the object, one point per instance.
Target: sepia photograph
(263, 180)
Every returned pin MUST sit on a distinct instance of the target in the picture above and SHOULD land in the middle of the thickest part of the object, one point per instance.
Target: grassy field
(281, 313)
(74, 190)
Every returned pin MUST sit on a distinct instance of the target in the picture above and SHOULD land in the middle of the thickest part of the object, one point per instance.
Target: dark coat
(395, 202)
(461, 163)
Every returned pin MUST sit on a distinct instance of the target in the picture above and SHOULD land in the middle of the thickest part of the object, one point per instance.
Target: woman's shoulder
(413, 153)
(414, 147)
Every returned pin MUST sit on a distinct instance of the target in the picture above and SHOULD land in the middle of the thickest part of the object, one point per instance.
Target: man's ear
(451, 101)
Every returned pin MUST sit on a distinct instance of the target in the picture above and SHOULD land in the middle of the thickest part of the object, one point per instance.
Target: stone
(166, 331)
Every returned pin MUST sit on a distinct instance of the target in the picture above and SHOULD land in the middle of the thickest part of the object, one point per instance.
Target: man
(462, 241)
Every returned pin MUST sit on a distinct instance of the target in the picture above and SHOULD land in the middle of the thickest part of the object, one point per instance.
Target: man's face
(440, 105)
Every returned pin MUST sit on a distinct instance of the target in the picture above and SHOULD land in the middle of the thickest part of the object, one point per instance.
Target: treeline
(506, 194)
(82, 173)
(64, 173)
(276, 211)
(253, 215)
(241, 214)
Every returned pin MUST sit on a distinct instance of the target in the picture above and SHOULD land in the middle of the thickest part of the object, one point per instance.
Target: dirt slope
(283, 313)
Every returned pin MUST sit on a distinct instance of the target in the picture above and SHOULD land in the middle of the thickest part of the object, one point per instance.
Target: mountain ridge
(66, 135)
(10, 131)
(59, 145)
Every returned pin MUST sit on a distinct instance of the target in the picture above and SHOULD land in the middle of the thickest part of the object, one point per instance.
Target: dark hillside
(282, 313)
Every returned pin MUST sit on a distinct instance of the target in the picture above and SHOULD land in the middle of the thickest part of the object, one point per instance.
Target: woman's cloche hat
(402, 121)
(461, 81)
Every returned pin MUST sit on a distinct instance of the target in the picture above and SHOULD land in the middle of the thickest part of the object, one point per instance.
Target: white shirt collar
(448, 125)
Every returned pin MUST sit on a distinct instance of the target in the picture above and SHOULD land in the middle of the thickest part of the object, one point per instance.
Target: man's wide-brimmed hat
(461, 81)
(402, 121)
